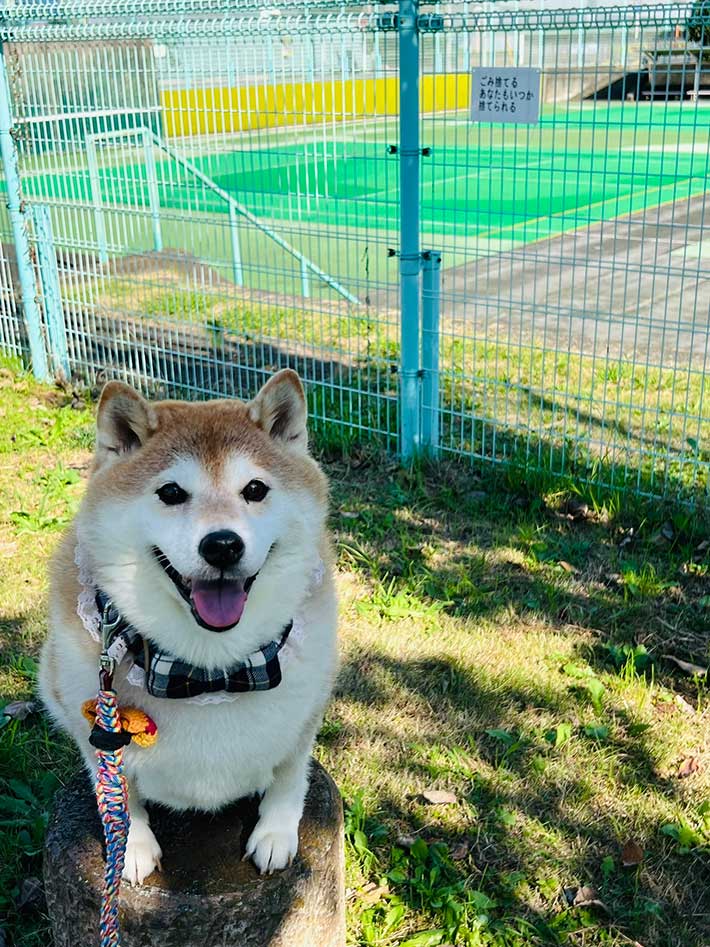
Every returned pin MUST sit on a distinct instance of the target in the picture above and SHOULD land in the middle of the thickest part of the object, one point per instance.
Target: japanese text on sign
(505, 95)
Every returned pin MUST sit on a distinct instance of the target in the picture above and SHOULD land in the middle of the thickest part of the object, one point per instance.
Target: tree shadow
(468, 546)
(522, 819)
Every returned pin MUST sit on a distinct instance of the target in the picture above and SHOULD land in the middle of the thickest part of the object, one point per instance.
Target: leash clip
(106, 668)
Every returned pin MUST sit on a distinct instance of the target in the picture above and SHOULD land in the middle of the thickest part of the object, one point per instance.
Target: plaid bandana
(168, 676)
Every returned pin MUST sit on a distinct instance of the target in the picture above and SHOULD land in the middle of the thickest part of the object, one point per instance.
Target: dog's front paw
(143, 853)
(272, 848)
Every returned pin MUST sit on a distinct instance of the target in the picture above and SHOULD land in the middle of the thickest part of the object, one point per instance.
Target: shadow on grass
(521, 821)
(472, 547)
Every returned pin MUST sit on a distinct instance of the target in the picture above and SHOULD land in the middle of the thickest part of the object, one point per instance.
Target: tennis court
(489, 185)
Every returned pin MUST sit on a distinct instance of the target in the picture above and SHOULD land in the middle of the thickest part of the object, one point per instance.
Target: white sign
(505, 94)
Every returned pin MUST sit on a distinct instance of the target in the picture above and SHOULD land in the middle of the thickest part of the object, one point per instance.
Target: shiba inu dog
(201, 546)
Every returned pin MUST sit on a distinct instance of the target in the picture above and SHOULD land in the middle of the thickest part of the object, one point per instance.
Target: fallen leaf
(373, 893)
(19, 709)
(31, 896)
(438, 797)
(631, 854)
(690, 765)
(349, 514)
(668, 532)
(460, 850)
(695, 670)
(584, 897)
(405, 841)
(576, 509)
(587, 897)
(683, 705)
(567, 566)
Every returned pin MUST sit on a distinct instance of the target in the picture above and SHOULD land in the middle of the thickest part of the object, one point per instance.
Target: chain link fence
(201, 192)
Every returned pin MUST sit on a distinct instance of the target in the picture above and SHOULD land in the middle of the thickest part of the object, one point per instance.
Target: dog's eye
(172, 493)
(255, 491)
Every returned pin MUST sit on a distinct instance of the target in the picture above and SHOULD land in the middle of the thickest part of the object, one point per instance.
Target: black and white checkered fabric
(168, 676)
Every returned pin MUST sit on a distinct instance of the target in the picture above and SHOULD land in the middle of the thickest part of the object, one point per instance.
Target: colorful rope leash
(109, 739)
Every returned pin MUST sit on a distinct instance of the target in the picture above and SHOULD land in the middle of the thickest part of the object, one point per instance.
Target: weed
(691, 834)
(391, 602)
(471, 659)
(643, 583)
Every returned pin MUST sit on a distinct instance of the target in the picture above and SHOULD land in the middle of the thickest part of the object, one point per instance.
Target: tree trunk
(205, 896)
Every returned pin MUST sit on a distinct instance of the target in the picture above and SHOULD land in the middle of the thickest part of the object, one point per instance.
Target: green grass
(495, 645)
(598, 429)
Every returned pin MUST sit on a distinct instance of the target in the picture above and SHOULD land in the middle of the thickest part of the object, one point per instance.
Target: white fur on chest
(209, 755)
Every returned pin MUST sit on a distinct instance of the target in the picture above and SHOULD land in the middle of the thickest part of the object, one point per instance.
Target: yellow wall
(233, 109)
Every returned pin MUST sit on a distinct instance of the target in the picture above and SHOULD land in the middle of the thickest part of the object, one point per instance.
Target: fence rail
(533, 293)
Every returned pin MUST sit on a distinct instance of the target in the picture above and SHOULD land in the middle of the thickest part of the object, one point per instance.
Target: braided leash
(111, 797)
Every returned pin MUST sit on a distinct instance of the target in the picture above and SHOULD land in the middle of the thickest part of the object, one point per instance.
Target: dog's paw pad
(272, 850)
(143, 855)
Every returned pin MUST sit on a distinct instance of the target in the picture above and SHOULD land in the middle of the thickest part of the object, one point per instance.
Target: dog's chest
(209, 755)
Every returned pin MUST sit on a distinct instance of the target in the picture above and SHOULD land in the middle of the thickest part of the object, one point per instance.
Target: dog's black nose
(222, 548)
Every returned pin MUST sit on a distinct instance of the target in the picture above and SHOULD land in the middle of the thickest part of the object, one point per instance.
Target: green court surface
(499, 184)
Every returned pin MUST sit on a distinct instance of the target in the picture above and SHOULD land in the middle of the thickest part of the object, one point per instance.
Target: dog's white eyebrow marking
(239, 469)
(188, 472)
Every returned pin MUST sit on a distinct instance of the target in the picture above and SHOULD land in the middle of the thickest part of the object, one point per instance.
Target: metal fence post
(151, 173)
(51, 291)
(96, 199)
(19, 220)
(409, 258)
(431, 290)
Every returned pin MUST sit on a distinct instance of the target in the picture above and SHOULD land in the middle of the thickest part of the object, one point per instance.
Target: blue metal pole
(51, 291)
(431, 295)
(19, 221)
(409, 258)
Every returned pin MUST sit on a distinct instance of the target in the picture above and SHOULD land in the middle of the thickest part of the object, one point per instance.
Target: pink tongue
(219, 604)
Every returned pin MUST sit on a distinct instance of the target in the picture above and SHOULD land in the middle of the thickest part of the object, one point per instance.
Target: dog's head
(199, 516)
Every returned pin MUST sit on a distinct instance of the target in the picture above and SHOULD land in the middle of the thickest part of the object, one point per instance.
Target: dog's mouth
(216, 604)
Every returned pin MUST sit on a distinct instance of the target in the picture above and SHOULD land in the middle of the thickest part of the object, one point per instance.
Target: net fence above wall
(208, 191)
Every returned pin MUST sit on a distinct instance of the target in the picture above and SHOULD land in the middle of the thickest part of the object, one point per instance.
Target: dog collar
(164, 675)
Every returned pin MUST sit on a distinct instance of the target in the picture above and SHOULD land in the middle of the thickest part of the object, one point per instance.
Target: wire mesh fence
(211, 190)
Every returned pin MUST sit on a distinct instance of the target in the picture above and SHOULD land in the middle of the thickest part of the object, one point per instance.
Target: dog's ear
(124, 422)
(280, 409)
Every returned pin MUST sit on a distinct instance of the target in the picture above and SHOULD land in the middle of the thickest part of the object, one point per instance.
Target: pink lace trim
(86, 600)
